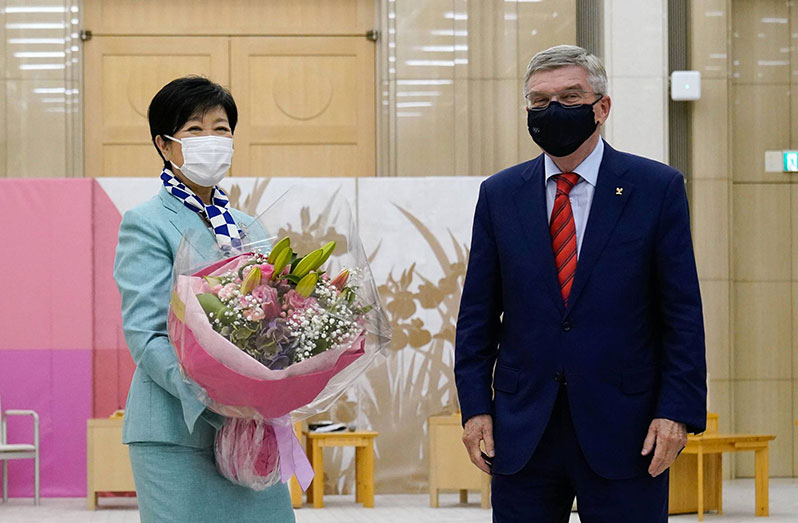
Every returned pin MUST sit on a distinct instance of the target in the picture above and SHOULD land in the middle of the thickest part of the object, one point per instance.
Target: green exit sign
(790, 161)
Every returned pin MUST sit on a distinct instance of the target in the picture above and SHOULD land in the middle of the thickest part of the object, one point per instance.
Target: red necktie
(563, 233)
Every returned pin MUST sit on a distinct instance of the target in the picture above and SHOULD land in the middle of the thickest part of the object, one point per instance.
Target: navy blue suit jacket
(631, 341)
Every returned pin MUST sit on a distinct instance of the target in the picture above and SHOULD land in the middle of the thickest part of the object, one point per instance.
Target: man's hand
(669, 437)
(479, 429)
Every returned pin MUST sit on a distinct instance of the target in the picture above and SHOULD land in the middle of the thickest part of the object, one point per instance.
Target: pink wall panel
(113, 370)
(113, 366)
(57, 385)
(46, 264)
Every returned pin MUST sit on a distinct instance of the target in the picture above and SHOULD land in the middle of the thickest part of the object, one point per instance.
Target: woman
(169, 432)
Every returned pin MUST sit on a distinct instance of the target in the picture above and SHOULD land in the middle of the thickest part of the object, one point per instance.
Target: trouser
(543, 490)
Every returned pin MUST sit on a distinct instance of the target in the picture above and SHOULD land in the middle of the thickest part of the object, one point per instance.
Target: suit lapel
(182, 219)
(530, 202)
(609, 199)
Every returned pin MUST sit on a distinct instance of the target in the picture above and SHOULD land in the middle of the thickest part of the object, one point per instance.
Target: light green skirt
(181, 485)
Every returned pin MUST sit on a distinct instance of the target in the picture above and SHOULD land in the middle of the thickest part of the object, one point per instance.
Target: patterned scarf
(218, 214)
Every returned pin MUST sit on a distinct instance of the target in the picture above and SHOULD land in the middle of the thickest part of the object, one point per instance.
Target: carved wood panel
(122, 74)
(230, 17)
(307, 106)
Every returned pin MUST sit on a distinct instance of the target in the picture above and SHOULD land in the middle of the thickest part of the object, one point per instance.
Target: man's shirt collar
(587, 170)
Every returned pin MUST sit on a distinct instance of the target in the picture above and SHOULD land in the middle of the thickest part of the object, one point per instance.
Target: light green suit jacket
(161, 406)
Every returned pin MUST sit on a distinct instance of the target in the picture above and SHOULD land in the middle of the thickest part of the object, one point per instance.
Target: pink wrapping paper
(233, 378)
(239, 385)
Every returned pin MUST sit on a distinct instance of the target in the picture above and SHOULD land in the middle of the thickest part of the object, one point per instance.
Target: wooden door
(121, 75)
(306, 106)
(228, 17)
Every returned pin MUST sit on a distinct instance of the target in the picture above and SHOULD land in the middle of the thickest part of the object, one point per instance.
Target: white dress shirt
(582, 193)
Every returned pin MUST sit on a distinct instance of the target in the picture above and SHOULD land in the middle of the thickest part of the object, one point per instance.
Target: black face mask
(560, 131)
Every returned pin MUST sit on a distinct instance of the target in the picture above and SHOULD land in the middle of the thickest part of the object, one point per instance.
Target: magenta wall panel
(57, 385)
(46, 264)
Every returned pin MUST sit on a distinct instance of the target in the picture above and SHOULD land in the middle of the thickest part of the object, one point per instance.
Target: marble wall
(451, 98)
(763, 71)
(745, 219)
(451, 82)
(636, 58)
(40, 89)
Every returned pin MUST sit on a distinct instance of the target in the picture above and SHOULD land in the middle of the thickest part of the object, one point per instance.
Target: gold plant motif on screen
(251, 202)
(314, 232)
(417, 379)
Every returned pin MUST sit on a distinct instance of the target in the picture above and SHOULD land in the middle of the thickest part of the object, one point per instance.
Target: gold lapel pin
(619, 191)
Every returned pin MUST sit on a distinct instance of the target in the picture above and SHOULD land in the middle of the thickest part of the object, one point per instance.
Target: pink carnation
(266, 271)
(267, 295)
(296, 301)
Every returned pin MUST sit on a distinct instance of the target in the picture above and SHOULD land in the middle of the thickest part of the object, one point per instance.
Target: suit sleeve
(478, 323)
(683, 391)
(143, 273)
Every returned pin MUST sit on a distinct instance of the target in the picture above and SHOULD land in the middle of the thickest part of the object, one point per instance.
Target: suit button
(566, 325)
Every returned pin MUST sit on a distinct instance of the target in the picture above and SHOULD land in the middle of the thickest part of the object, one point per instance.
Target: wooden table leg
(364, 456)
(309, 454)
(485, 491)
(296, 492)
(293, 483)
(358, 475)
(761, 481)
(316, 491)
(719, 483)
(700, 460)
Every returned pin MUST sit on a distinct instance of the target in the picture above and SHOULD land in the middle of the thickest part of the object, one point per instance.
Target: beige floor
(738, 502)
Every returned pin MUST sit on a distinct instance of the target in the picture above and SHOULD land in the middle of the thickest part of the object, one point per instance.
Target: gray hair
(565, 55)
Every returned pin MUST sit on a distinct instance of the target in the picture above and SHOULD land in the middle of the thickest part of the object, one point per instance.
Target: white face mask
(206, 159)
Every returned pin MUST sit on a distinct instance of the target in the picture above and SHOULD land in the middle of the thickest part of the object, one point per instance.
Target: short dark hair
(183, 98)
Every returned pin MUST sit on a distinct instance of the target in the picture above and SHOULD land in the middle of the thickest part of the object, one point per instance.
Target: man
(580, 341)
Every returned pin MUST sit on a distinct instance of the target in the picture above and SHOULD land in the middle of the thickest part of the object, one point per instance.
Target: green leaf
(242, 333)
(241, 270)
(210, 303)
(293, 278)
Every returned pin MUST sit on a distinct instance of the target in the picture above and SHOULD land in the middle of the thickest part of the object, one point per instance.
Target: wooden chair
(19, 450)
(449, 465)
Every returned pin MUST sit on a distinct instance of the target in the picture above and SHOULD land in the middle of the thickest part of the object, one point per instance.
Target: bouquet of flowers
(268, 335)
(280, 309)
